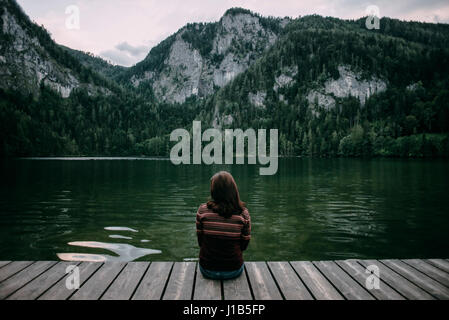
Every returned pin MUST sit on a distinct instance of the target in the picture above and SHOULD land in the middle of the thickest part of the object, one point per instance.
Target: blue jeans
(221, 275)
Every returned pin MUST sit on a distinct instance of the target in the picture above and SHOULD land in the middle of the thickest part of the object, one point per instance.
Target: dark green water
(310, 210)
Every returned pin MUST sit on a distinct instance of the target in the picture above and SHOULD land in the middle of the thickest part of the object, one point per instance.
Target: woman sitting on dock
(223, 227)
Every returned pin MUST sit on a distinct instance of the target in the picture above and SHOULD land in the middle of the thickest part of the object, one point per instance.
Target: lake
(312, 209)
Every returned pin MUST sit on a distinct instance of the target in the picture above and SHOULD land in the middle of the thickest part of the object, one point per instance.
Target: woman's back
(222, 239)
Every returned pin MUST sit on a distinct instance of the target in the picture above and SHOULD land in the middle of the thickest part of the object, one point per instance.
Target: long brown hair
(225, 195)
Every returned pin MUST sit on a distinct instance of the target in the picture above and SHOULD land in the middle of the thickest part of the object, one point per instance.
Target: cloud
(134, 51)
(125, 54)
(117, 57)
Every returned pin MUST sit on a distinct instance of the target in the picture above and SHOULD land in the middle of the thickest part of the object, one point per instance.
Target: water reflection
(117, 236)
(124, 252)
(84, 257)
(190, 259)
(120, 229)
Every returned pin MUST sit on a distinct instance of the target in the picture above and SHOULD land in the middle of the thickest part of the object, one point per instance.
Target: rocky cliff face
(25, 63)
(348, 84)
(237, 41)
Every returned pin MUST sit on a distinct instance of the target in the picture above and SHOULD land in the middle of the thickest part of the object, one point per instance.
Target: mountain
(201, 57)
(29, 58)
(331, 87)
(55, 101)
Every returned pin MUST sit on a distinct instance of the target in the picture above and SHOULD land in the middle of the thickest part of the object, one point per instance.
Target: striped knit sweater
(222, 240)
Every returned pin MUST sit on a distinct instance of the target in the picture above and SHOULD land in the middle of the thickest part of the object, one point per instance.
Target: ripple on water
(190, 259)
(118, 236)
(120, 229)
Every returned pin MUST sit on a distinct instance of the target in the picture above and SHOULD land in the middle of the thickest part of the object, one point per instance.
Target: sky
(123, 31)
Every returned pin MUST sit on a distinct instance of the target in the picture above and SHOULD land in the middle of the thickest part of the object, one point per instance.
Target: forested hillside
(331, 87)
(98, 64)
(391, 122)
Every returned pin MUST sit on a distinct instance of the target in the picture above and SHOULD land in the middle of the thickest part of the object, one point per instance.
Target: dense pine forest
(410, 118)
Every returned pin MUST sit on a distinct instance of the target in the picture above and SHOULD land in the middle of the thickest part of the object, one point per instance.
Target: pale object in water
(125, 252)
(117, 236)
(120, 229)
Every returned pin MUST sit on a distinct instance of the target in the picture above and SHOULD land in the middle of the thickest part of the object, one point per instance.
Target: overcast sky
(123, 31)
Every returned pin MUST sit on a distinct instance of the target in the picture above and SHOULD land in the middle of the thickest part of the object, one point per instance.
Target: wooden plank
(46, 280)
(291, 286)
(21, 278)
(93, 288)
(263, 285)
(409, 278)
(60, 292)
(347, 286)
(318, 285)
(237, 288)
(153, 282)
(206, 289)
(356, 271)
(431, 286)
(124, 285)
(180, 284)
(12, 268)
(430, 270)
(439, 263)
(399, 283)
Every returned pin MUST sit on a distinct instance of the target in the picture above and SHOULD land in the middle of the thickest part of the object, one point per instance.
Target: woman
(223, 227)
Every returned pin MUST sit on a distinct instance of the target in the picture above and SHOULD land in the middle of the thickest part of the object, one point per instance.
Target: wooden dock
(412, 279)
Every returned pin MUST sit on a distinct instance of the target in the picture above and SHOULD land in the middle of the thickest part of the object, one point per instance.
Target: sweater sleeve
(246, 230)
(199, 227)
